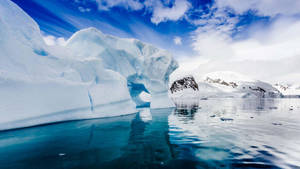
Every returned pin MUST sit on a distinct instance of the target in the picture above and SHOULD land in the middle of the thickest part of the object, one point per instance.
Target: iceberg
(94, 75)
(145, 67)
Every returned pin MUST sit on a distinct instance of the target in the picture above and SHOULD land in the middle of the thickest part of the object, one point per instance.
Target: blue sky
(199, 33)
(61, 18)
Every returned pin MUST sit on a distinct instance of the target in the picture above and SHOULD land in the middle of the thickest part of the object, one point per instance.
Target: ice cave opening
(138, 92)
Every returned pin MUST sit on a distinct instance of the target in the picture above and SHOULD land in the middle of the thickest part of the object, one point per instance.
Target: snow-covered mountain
(39, 84)
(234, 84)
(288, 90)
(229, 84)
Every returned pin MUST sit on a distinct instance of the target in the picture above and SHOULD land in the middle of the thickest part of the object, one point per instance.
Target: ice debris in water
(226, 119)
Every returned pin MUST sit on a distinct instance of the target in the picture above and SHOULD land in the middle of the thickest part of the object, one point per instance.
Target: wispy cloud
(161, 13)
(177, 40)
(269, 53)
(128, 4)
(82, 9)
(262, 7)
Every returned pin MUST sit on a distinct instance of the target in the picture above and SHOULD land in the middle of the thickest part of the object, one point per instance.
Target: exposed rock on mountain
(220, 84)
(184, 83)
(288, 90)
(233, 84)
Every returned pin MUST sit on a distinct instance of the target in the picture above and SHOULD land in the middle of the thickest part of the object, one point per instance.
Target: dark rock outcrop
(184, 83)
(222, 82)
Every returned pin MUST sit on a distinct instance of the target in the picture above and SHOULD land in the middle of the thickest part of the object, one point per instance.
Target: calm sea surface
(220, 133)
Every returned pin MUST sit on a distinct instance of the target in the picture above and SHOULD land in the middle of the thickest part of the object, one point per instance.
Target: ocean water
(219, 133)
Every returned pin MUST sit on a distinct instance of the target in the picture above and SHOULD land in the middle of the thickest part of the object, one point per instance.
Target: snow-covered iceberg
(145, 67)
(89, 78)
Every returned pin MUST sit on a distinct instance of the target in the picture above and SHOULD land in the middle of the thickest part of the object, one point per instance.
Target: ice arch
(145, 67)
(135, 89)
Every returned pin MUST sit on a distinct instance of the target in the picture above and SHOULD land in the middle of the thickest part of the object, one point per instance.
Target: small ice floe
(273, 108)
(61, 154)
(226, 119)
(277, 124)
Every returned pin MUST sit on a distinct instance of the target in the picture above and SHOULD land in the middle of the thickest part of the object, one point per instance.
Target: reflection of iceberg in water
(148, 144)
(145, 115)
(133, 141)
(78, 144)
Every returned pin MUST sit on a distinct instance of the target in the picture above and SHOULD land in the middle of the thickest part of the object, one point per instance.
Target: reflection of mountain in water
(234, 133)
(185, 114)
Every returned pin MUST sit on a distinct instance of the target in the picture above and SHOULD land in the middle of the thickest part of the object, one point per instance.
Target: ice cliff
(95, 75)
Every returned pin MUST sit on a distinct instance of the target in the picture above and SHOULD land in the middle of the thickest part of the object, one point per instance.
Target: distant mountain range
(230, 84)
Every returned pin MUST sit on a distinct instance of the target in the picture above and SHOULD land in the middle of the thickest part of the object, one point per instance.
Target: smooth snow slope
(40, 85)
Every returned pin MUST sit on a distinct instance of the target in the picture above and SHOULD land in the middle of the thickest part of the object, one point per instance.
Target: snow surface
(225, 84)
(288, 90)
(87, 78)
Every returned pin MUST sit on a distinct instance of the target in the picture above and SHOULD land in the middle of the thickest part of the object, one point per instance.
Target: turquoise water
(221, 133)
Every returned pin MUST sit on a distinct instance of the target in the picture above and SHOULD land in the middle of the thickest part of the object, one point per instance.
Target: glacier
(94, 75)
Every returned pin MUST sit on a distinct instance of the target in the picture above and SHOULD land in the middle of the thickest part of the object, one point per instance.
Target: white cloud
(268, 54)
(82, 9)
(52, 40)
(280, 40)
(262, 7)
(177, 40)
(162, 13)
(128, 4)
